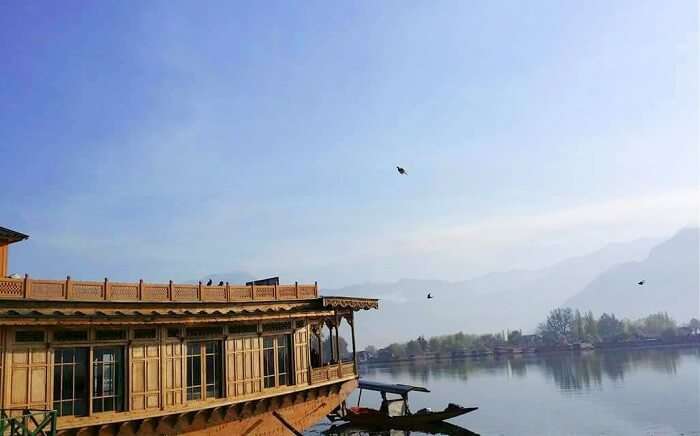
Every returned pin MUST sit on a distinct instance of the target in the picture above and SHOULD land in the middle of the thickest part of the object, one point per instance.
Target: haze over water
(633, 392)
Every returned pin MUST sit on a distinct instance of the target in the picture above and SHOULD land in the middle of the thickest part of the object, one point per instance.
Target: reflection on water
(617, 392)
(570, 371)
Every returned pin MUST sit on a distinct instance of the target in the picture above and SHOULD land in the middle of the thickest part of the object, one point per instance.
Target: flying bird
(401, 171)
(209, 282)
(641, 283)
(430, 295)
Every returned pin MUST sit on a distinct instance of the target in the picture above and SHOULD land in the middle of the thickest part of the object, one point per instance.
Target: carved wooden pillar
(351, 320)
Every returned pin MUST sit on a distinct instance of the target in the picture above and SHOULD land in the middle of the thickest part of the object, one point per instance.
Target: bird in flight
(641, 283)
(401, 171)
(430, 295)
(209, 282)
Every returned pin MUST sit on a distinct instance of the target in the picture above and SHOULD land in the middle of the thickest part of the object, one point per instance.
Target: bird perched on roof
(221, 283)
(430, 295)
(209, 282)
(401, 171)
(641, 283)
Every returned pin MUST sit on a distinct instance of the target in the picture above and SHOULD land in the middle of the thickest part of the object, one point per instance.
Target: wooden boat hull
(378, 419)
(253, 418)
(441, 428)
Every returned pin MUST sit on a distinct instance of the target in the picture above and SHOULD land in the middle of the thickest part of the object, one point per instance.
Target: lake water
(631, 392)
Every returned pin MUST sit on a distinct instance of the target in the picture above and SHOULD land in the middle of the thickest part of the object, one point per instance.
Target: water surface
(626, 392)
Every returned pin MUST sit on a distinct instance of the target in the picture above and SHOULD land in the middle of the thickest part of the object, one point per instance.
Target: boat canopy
(398, 389)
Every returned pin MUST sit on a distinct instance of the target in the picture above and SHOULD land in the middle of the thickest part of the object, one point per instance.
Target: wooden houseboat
(107, 358)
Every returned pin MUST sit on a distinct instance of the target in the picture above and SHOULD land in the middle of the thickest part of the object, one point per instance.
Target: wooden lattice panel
(265, 292)
(214, 293)
(287, 292)
(124, 291)
(155, 292)
(11, 288)
(87, 291)
(307, 291)
(184, 293)
(240, 292)
(48, 289)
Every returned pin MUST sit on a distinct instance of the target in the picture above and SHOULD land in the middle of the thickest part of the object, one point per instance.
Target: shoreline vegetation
(564, 330)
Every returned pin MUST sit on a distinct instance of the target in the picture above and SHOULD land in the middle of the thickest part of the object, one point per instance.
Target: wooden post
(296, 289)
(315, 289)
(26, 289)
(140, 289)
(68, 286)
(337, 341)
(170, 290)
(351, 321)
(276, 292)
(228, 292)
(252, 292)
(108, 295)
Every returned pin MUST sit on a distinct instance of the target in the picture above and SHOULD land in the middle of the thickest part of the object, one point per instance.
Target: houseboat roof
(8, 236)
(399, 389)
(79, 302)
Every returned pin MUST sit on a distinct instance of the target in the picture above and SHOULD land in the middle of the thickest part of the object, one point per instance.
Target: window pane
(107, 367)
(194, 371)
(70, 387)
(268, 342)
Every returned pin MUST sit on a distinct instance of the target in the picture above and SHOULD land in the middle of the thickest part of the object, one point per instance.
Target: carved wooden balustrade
(332, 372)
(68, 289)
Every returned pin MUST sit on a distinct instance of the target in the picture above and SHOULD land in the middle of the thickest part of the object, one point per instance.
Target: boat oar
(284, 422)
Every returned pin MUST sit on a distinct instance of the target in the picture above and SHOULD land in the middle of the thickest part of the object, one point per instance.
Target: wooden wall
(4, 259)
(155, 368)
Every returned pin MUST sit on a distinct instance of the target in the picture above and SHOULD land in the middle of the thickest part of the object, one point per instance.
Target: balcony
(74, 290)
(332, 371)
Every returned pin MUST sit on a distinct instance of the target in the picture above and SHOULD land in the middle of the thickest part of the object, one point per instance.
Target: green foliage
(656, 324)
(561, 326)
(610, 327)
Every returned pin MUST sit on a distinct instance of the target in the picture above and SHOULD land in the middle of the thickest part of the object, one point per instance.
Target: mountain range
(603, 281)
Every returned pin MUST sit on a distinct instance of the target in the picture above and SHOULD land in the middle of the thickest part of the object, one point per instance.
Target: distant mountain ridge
(493, 302)
(672, 282)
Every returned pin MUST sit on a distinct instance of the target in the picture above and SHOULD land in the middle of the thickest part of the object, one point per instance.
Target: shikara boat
(394, 413)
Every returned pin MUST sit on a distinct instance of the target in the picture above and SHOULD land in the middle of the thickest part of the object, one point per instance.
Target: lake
(616, 392)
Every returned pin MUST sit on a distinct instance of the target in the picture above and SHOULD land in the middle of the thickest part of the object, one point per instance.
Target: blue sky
(175, 139)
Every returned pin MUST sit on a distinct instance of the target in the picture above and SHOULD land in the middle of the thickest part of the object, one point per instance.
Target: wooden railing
(332, 372)
(26, 422)
(68, 289)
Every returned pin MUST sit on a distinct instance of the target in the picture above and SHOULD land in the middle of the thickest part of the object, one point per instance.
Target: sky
(174, 139)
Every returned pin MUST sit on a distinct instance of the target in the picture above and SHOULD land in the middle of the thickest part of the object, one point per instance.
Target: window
(70, 335)
(110, 335)
(277, 360)
(204, 370)
(277, 326)
(243, 329)
(70, 388)
(204, 331)
(107, 379)
(145, 334)
(29, 336)
(173, 332)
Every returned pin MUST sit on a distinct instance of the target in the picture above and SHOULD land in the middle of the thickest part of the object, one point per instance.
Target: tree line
(562, 326)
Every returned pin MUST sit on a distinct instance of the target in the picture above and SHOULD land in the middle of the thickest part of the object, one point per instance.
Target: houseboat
(116, 358)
